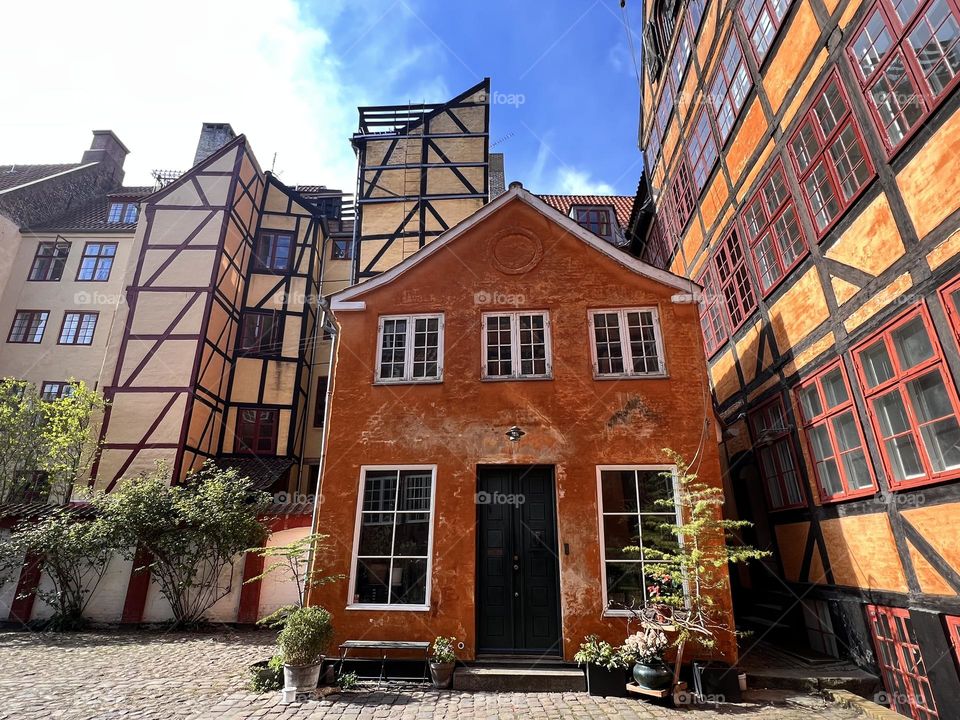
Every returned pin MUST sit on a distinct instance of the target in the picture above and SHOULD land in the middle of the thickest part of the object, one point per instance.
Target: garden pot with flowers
(606, 667)
(443, 660)
(646, 648)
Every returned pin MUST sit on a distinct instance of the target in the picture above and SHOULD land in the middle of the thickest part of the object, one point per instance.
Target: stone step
(516, 679)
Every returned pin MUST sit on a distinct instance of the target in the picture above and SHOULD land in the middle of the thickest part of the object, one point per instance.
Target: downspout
(331, 326)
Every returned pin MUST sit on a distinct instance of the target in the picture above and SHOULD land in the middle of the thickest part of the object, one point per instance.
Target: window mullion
(625, 343)
(393, 539)
(408, 338)
(516, 368)
(835, 446)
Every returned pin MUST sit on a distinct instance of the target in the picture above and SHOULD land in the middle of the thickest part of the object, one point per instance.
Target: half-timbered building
(801, 159)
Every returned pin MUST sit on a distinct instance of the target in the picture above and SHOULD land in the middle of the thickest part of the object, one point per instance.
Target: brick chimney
(213, 136)
(107, 150)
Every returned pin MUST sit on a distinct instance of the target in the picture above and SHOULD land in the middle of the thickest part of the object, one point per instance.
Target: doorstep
(481, 676)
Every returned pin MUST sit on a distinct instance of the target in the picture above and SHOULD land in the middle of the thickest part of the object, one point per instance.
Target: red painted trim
(22, 606)
(249, 607)
(137, 588)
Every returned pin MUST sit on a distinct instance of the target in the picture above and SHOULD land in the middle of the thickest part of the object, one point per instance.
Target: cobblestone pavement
(180, 675)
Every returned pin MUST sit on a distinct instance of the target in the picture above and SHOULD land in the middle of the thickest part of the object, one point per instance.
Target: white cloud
(154, 72)
(571, 181)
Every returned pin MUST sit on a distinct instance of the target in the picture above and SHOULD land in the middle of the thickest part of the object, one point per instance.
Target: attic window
(122, 212)
(598, 219)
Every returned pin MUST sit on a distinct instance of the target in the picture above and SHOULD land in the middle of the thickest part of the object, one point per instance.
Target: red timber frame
(237, 218)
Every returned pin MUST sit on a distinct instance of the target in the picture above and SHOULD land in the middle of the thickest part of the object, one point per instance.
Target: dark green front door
(518, 588)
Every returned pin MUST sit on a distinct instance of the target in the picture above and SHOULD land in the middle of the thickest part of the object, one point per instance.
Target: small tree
(291, 561)
(45, 445)
(687, 577)
(193, 532)
(73, 552)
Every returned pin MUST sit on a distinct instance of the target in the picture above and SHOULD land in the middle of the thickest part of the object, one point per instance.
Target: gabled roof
(348, 299)
(622, 204)
(15, 176)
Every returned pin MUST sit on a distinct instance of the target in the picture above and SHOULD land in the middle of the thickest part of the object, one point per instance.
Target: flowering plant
(646, 646)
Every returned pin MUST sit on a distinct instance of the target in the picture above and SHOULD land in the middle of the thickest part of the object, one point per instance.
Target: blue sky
(290, 74)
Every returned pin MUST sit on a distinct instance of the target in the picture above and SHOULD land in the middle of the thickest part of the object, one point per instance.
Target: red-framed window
(834, 435)
(762, 19)
(260, 333)
(681, 57)
(901, 663)
(683, 197)
(51, 390)
(273, 251)
(776, 456)
(731, 267)
(598, 220)
(658, 249)
(96, 261)
(256, 431)
(772, 228)
(953, 628)
(911, 400)
(702, 149)
(78, 328)
(829, 156)
(712, 322)
(28, 326)
(48, 261)
(907, 57)
(729, 88)
(320, 401)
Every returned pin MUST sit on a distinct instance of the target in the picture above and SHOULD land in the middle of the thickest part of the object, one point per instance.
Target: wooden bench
(384, 647)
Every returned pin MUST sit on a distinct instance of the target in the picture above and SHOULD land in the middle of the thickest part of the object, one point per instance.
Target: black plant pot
(606, 683)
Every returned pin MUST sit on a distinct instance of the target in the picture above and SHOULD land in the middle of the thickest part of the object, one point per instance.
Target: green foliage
(266, 678)
(348, 681)
(291, 560)
(194, 532)
(73, 552)
(594, 651)
(306, 635)
(443, 651)
(688, 577)
(46, 446)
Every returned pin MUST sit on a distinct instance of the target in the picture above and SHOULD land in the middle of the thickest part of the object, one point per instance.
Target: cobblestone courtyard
(179, 675)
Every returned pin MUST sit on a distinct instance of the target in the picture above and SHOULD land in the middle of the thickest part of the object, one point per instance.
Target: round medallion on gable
(515, 250)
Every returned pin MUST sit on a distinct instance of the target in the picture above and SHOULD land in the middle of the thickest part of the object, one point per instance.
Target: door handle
(516, 567)
(516, 594)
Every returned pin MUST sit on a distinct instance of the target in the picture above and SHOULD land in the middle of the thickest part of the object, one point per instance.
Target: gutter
(330, 325)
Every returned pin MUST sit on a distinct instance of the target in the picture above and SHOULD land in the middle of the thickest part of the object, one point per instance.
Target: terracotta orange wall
(572, 422)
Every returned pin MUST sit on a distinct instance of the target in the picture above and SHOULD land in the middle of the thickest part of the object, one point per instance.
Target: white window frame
(515, 346)
(628, 371)
(607, 611)
(408, 351)
(351, 605)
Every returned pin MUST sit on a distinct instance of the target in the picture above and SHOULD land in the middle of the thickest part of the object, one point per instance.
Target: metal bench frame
(384, 646)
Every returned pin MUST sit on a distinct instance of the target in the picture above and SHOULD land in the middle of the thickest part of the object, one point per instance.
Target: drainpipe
(331, 326)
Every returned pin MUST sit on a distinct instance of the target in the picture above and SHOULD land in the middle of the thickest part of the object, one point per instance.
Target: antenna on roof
(503, 138)
(274, 163)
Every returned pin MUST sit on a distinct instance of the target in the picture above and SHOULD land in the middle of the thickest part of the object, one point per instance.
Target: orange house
(500, 404)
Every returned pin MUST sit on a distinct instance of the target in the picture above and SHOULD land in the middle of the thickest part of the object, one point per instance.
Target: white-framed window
(393, 541)
(410, 348)
(626, 342)
(633, 513)
(516, 345)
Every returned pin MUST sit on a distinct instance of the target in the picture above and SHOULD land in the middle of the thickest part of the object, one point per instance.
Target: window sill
(512, 378)
(634, 376)
(380, 607)
(431, 381)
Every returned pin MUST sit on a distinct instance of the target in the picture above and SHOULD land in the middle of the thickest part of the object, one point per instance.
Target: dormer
(601, 220)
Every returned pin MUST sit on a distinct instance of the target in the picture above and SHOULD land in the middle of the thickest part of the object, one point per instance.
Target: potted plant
(605, 666)
(442, 661)
(646, 649)
(305, 637)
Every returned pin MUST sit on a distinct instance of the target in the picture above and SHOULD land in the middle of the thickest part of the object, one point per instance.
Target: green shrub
(267, 678)
(305, 637)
